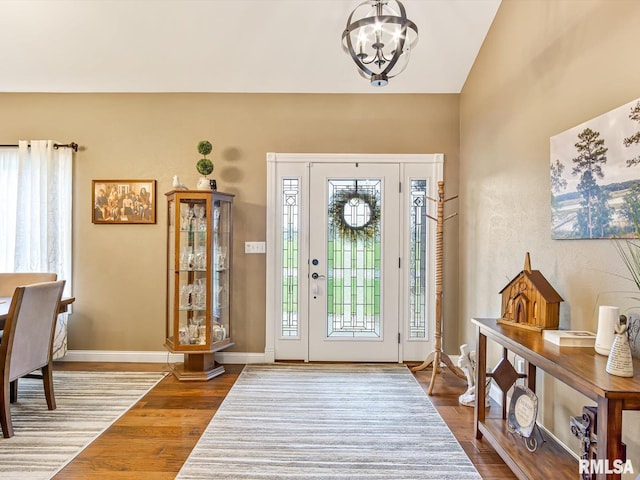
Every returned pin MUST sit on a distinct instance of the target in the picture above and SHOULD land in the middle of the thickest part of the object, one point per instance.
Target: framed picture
(123, 201)
(595, 176)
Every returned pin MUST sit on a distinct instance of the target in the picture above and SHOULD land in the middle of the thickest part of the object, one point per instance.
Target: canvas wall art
(595, 176)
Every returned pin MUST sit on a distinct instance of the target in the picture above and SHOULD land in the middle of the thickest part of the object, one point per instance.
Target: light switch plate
(254, 247)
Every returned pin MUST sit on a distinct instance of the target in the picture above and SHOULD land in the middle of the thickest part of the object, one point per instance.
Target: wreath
(351, 198)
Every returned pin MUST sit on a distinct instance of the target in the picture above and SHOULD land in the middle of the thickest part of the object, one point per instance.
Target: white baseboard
(155, 357)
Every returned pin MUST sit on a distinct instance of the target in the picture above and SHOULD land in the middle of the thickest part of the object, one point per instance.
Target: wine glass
(184, 213)
(186, 300)
(190, 217)
(200, 297)
(201, 259)
(201, 223)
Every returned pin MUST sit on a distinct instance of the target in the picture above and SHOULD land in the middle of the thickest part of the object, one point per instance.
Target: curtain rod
(72, 145)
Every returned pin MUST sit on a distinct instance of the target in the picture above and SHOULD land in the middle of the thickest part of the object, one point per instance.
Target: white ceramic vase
(203, 184)
(607, 321)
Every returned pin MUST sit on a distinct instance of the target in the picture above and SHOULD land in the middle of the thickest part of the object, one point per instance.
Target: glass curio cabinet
(199, 260)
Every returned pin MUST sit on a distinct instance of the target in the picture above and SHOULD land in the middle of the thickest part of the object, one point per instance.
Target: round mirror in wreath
(355, 215)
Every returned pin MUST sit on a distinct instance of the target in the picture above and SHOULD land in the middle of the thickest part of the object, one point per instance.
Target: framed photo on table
(523, 412)
(123, 201)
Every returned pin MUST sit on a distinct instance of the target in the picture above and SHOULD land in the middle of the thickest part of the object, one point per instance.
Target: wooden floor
(155, 437)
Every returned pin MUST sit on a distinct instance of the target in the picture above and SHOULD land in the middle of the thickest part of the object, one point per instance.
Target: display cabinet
(199, 261)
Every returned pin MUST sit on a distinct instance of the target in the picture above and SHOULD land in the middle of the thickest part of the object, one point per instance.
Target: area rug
(87, 403)
(302, 421)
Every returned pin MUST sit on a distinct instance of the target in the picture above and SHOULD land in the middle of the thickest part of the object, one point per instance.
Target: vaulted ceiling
(285, 46)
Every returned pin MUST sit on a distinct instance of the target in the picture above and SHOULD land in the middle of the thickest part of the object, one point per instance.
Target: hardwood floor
(459, 419)
(154, 438)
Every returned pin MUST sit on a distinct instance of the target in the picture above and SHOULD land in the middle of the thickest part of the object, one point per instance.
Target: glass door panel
(354, 250)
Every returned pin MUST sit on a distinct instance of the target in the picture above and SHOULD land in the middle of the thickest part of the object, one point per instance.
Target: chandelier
(379, 38)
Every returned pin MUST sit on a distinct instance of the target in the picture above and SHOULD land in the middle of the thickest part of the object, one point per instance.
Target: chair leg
(47, 379)
(13, 391)
(5, 411)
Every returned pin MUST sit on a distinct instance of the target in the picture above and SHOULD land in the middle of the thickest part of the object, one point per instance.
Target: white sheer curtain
(35, 214)
(8, 211)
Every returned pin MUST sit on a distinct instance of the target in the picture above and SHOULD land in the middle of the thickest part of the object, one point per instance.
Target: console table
(582, 369)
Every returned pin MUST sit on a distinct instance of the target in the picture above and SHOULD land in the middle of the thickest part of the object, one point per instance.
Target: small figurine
(177, 185)
(467, 363)
(620, 362)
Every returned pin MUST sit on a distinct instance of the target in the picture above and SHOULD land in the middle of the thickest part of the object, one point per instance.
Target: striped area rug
(87, 403)
(329, 422)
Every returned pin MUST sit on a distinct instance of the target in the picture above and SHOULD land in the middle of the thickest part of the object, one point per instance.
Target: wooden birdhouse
(529, 301)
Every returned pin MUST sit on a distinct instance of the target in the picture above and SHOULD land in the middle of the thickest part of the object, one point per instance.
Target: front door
(354, 254)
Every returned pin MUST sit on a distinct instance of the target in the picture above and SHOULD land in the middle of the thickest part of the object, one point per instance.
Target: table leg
(505, 356)
(481, 375)
(531, 376)
(609, 435)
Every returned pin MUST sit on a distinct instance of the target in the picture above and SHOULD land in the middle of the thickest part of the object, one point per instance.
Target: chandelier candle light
(379, 38)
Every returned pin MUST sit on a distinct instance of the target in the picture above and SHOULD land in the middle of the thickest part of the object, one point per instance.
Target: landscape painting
(595, 176)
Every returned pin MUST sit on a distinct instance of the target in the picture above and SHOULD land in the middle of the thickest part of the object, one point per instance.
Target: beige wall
(545, 66)
(119, 278)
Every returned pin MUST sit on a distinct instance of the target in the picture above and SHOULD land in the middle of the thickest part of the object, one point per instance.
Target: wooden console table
(582, 369)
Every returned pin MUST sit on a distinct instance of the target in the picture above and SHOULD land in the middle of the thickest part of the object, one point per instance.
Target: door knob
(315, 276)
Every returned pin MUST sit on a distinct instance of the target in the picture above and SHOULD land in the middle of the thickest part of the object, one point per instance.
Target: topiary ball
(204, 166)
(205, 147)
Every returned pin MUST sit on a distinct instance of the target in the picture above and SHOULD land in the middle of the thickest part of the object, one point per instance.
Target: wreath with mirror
(355, 214)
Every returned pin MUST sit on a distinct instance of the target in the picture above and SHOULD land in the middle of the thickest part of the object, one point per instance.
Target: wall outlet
(254, 247)
(520, 365)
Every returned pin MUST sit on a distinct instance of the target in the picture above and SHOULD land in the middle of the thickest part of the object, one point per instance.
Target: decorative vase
(620, 362)
(219, 332)
(203, 184)
(607, 320)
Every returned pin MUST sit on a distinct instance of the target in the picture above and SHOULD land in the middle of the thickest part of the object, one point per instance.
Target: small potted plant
(204, 165)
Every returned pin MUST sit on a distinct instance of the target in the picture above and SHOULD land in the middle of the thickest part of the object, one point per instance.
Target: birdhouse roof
(539, 283)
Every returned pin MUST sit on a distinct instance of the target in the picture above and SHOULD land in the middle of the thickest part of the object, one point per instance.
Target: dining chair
(26, 343)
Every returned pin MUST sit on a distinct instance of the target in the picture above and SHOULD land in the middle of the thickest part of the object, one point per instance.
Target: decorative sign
(523, 412)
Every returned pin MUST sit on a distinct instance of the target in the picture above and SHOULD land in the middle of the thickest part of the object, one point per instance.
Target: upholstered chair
(26, 343)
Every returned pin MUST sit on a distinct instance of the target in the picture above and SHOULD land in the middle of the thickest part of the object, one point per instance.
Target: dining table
(5, 302)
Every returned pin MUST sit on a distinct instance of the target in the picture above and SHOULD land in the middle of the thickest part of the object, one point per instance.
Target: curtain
(8, 211)
(36, 195)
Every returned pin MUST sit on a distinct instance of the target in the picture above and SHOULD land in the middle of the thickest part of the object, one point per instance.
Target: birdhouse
(529, 301)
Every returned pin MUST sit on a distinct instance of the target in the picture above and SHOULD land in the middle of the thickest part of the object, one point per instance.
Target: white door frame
(429, 166)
